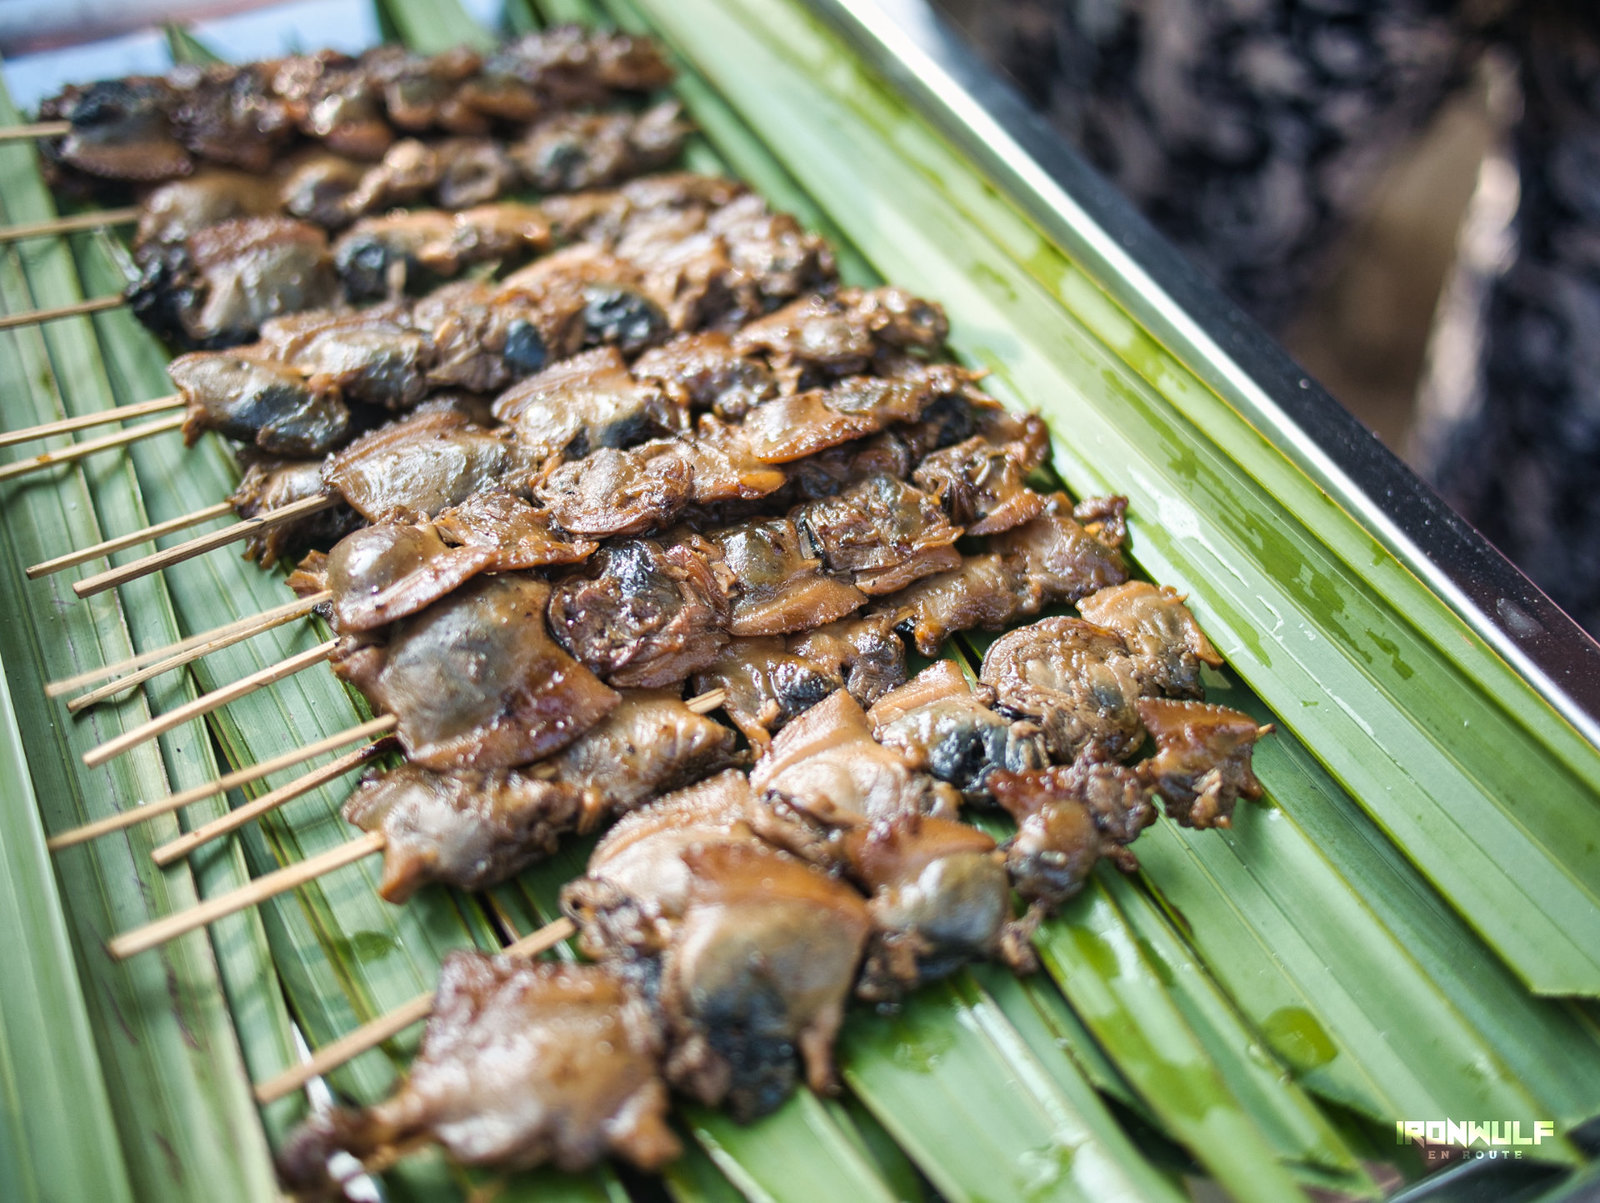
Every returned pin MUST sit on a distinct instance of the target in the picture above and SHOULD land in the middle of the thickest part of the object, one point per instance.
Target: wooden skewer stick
(39, 129)
(235, 632)
(705, 703)
(132, 539)
(33, 317)
(370, 1035)
(121, 413)
(206, 703)
(174, 850)
(150, 810)
(156, 561)
(77, 451)
(70, 225)
(251, 623)
(251, 894)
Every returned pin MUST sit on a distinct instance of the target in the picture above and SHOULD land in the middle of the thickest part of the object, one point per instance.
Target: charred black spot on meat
(620, 317)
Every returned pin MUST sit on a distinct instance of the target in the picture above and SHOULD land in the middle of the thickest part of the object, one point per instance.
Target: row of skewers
(671, 456)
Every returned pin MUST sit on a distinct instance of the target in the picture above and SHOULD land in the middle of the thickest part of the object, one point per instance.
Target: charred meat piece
(774, 258)
(317, 187)
(266, 405)
(270, 483)
(120, 131)
(982, 485)
(336, 102)
(986, 592)
(642, 615)
(427, 246)
(468, 829)
(420, 465)
(944, 726)
(842, 332)
(865, 652)
(705, 371)
(227, 114)
(611, 492)
(882, 533)
(568, 151)
(1076, 680)
(754, 951)
(571, 65)
(939, 897)
(615, 308)
(789, 427)
(1202, 761)
(1166, 644)
(766, 685)
(484, 337)
(172, 212)
(522, 1063)
(516, 535)
(218, 286)
(650, 744)
(829, 473)
(475, 679)
(422, 92)
(1060, 556)
(386, 571)
(369, 355)
(454, 173)
(827, 763)
(584, 403)
(1069, 816)
(777, 585)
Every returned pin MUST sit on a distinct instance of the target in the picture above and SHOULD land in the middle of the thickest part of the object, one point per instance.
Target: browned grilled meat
(216, 287)
(522, 1063)
(421, 465)
(270, 483)
(1167, 646)
(274, 408)
(863, 651)
(949, 729)
(1067, 818)
(568, 151)
(640, 614)
(986, 592)
(370, 355)
(790, 427)
(475, 679)
(766, 684)
(451, 172)
(706, 371)
(484, 336)
(827, 762)
(1202, 761)
(844, 331)
(176, 210)
(628, 492)
(882, 533)
(1076, 680)
(756, 950)
(584, 403)
(121, 130)
(650, 744)
(386, 571)
(227, 114)
(982, 484)
(777, 585)
(381, 255)
(1060, 556)
(512, 531)
(466, 828)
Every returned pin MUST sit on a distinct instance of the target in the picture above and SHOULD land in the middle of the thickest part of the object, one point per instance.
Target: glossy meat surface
(475, 679)
(863, 652)
(882, 533)
(1076, 680)
(641, 614)
(469, 829)
(766, 684)
(515, 534)
(1202, 761)
(568, 151)
(1163, 638)
(778, 585)
(271, 482)
(383, 572)
(274, 408)
(584, 403)
(986, 592)
(420, 465)
(523, 1063)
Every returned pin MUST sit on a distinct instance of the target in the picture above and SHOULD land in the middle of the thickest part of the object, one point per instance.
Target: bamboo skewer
(156, 561)
(252, 623)
(139, 409)
(250, 894)
(234, 819)
(131, 539)
(206, 703)
(33, 317)
(370, 1035)
(174, 850)
(226, 637)
(150, 810)
(78, 451)
(39, 129)
(69, 225)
